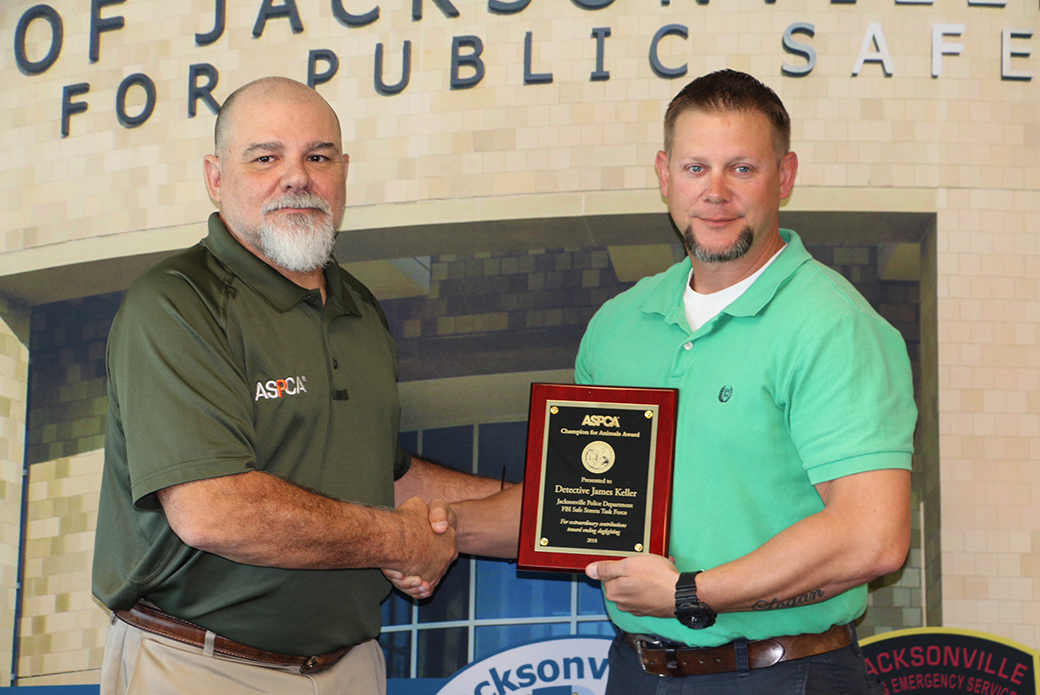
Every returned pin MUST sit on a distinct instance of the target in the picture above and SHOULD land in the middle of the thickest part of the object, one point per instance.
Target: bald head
(279, 173)
(266, 89)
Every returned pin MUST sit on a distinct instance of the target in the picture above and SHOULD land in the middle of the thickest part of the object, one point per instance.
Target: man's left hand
(413, 586)
(640, 585)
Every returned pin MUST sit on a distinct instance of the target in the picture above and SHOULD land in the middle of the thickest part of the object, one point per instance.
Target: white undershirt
(701, 308)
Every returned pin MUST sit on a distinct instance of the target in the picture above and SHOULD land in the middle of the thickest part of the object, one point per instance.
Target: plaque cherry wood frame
(535, 551)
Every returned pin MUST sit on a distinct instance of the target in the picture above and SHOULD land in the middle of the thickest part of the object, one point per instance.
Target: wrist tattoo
(774, 604)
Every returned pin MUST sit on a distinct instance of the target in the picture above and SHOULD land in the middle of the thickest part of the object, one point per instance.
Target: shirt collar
(341, 299)
(279, 291)
(755, 298)
(765, 287)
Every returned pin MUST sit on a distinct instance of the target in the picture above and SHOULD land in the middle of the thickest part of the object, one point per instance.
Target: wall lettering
(467, 66)
(99, 25)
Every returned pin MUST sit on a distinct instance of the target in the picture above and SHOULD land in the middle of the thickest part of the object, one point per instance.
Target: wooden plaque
(598, 482)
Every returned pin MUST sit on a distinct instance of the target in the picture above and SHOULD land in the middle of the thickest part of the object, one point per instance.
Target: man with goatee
(796, 418)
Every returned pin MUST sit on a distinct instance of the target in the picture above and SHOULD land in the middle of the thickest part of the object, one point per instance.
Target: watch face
(697, 616)
(691, 611)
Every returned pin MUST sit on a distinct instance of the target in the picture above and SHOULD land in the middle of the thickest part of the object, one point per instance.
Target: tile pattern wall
(63, 628)
(14, 367)
(502, 312)
(926, 445)
(68, 398)
(966, 128)
(989, 401)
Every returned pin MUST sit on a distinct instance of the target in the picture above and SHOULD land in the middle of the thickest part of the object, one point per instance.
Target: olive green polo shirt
(217, 365)
(797, 382)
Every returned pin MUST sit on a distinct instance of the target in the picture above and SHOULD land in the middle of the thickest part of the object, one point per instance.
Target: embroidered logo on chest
(277, 388)
(725, 393)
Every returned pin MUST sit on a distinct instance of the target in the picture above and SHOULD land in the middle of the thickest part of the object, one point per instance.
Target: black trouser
(841, 672)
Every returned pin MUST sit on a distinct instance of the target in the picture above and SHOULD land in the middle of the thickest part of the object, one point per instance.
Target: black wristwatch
(691, 611)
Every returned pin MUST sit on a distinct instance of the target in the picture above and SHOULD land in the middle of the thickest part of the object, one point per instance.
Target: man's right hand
(442, 519)
(429, 533)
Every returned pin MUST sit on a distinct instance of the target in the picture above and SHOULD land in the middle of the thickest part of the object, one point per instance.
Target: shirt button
(688, 346)
(335, 363)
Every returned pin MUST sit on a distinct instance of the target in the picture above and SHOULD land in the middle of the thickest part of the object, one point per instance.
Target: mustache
(300, 199)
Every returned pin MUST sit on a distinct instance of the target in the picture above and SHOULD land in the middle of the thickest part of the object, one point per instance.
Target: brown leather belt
(665, 660)
(151, 619)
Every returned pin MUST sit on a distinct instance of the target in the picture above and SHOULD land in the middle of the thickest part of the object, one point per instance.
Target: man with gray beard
(302, 242)
(247, 512)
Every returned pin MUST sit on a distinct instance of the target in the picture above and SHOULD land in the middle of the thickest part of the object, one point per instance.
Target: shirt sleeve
(850, 396)
(182, 400)
(583, 362)
(402, 463)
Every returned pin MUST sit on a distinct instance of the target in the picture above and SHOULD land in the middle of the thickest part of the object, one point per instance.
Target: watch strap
(686, 587)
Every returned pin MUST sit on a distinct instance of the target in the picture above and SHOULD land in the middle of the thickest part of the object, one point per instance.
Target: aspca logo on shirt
(276, 388)
(602, 421)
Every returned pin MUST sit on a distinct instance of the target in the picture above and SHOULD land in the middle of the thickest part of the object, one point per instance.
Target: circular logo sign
(560, 666)
(598, 457)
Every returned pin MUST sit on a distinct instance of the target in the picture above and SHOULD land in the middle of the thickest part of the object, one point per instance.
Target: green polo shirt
(796, 382)
(218, 365)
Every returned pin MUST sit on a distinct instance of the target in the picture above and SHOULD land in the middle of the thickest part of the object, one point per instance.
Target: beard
(738, 248)
(297, 242)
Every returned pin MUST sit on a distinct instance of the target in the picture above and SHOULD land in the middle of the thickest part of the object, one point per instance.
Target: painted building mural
(501, 188)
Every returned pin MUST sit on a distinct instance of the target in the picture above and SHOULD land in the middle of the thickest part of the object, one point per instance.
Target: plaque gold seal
(598, 457)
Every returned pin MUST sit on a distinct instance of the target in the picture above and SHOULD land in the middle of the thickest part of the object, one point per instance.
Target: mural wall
(501, 188)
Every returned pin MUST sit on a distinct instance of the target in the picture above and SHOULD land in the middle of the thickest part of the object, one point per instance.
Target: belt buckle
(653, 642)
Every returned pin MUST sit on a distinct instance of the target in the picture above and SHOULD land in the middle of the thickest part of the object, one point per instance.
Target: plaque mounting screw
(554, 410)
(543, 542)
(639, 547)
(649, 414)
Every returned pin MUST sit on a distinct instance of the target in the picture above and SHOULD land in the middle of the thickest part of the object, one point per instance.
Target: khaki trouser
(141, 663)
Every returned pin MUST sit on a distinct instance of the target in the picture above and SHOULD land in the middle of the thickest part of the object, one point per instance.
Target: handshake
(430, 541)
(432, 536)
